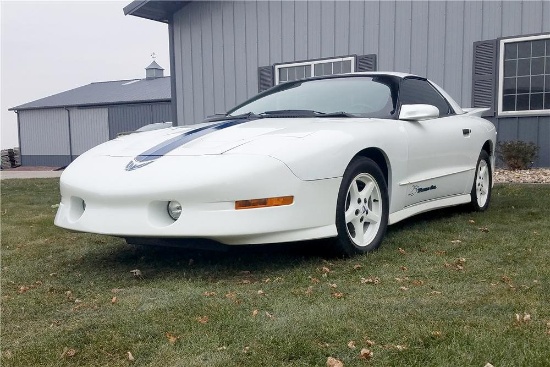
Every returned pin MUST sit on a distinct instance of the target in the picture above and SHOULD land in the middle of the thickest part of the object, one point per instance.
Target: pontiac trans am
(336, 157)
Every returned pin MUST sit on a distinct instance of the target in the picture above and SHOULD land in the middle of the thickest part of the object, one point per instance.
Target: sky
(48, 47)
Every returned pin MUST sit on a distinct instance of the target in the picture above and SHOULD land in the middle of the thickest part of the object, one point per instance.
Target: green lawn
(443, 290)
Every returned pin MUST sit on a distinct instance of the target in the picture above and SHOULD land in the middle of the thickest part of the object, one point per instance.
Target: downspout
(171, 49)
(19, 136)
(70, 137)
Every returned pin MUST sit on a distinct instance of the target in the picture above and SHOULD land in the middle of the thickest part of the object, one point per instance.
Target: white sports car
(340, 156)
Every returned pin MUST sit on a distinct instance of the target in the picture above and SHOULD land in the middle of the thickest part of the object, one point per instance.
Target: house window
(308, 69)
(524, 76)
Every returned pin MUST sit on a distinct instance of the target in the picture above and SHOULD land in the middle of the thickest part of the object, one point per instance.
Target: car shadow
(231, 261)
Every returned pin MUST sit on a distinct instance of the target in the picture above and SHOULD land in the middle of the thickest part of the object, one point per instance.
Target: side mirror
(418, 112)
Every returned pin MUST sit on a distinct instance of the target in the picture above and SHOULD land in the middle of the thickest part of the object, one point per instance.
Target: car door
(438, 162)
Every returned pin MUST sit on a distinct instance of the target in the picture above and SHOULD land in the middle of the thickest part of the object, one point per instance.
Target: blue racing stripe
(177, 141)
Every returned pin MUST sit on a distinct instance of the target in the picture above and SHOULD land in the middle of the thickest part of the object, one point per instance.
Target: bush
(517, 154)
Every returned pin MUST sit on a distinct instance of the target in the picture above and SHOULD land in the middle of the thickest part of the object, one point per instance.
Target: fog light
(174, 209)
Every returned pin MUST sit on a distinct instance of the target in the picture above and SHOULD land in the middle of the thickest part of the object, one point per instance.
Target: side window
(418, 91)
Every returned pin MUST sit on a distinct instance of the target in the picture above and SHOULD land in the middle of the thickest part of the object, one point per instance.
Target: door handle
(466, 132)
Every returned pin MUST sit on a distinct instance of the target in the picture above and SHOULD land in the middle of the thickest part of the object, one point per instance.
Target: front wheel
(483, 182)
(362, 208)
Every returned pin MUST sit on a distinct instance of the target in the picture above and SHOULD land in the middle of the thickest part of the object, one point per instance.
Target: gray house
(55, 130)
(493, 54)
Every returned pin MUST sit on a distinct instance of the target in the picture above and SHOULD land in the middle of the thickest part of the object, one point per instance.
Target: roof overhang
(160, 11)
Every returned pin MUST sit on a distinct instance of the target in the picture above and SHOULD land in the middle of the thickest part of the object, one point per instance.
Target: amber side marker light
(264, 203)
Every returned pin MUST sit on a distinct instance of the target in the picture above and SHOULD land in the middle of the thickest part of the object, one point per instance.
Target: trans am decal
(150, 155)
(417, 189)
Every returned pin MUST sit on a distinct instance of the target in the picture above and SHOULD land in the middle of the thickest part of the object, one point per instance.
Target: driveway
(9, 174)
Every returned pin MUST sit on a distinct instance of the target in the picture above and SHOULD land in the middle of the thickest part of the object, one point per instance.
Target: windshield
(358, 96)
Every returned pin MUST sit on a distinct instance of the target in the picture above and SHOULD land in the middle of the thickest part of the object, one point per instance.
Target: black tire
(371, 213)
(483, 183)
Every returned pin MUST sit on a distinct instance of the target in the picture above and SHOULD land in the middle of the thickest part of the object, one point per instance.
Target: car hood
(204, 139)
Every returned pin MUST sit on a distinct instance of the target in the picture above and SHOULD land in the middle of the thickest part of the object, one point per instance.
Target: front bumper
(100, 196)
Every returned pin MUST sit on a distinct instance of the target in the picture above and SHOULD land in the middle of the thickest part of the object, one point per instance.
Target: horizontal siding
(89, 127)
(44, 132)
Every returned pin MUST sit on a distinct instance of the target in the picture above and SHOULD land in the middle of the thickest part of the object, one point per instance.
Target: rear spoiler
(474, 111)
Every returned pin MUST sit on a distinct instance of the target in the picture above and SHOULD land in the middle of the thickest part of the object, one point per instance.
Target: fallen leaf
(484, 229)
(404, 268)
(202, 319)
(68, 294)
(269, 315)
(404, 288)
(370, 343)
(456, 242)
(332, 285)
(333, 362)
(314, 280)
(325, 270)
(436, 333)
(246, 349)
(366, 353)
(488, 365)
(136, 272)
(435, 293)
(526, 317)
(309, 290)
(113, 300)
(506, 279)
(68, 352)
(255, 313)
(7, 354)
(400, 347)
(471, 221)
(130, 356)
(209, 294)
(351, 344)
(440, 252)
(223, 347)
(338, 295)
(357, 267)
(370, 280)
(261, 293)
(23, 289)
(172, 338)
(245, 281)
(401, 251)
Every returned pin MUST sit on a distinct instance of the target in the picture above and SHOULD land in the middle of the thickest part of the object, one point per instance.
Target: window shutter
(484, 73)
(365, 63)
(265, 78)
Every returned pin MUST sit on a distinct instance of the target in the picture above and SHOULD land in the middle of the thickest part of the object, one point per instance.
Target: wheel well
(488, 147)
(381, 160)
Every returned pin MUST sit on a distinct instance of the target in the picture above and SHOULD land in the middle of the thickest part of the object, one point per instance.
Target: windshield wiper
(221, 117)
(304, 113)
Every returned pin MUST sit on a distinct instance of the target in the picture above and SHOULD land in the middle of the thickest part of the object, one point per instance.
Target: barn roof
(161, 11)
(106, 93)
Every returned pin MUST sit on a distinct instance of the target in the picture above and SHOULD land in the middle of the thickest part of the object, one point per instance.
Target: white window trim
(313, 63)
(501, 77)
